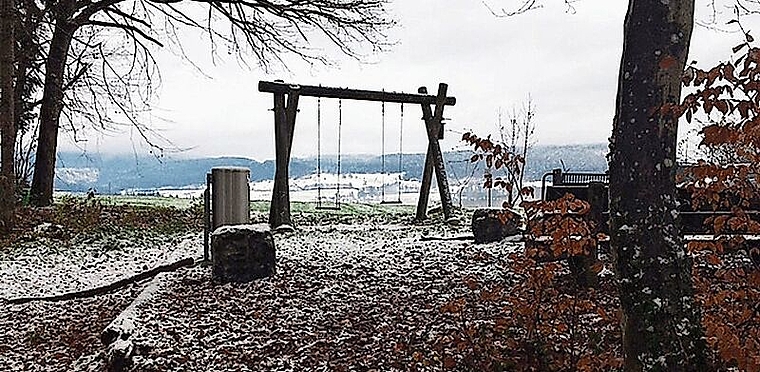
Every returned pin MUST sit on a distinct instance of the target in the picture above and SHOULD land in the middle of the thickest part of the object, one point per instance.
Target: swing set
(286, 97)
(400, 155)
(335, 205)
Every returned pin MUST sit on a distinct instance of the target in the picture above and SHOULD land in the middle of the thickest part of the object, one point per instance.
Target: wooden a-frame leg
(434, 159)
(284, 126)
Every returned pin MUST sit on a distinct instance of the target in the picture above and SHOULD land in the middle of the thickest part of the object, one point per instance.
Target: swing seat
(328, 207)
(384, 202)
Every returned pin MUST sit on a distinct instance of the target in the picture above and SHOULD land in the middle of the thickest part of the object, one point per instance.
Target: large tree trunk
(25, 52)
(661, 325)
(41, 193)
(7, 122)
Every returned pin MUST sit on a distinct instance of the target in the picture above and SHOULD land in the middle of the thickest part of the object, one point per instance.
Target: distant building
(139, 192)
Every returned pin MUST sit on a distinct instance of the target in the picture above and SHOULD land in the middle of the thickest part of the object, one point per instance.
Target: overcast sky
(567, 63)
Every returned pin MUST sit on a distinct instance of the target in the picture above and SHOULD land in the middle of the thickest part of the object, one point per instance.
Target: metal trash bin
(226, 200)
(230, 196)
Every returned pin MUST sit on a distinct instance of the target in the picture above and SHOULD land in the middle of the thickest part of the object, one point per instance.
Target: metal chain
(400, 150)
(319, 152)
(340, 124)
(382, 156)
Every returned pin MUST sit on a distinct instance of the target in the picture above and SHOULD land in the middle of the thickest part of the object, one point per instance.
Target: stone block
(241, 253)
(492, 225)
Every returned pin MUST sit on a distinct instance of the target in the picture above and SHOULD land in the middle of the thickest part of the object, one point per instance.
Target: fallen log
(106, 288)
(117, 336)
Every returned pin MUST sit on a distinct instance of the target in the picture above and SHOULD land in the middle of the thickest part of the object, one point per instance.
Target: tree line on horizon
(126, 171)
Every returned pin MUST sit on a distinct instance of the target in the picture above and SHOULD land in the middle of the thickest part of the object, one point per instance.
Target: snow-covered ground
(345, 296)
(65, 336)
(48, 266)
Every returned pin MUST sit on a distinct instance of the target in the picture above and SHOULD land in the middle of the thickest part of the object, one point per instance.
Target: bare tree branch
(126, 27)
(524, 7)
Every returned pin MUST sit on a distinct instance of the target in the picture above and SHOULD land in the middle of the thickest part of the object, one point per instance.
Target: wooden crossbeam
(352, 94)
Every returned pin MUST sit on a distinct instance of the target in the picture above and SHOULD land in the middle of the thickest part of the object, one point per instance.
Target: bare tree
(522, 128)
(26, 145)
(29, 74)
(263, 30)
(514, 8)
(517, 136)
(506, 157)
(7, 121)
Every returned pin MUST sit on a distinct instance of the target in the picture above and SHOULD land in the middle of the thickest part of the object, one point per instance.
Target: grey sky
(567, 62)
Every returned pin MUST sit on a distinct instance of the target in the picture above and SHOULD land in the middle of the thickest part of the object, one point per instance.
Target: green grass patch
(145, 201)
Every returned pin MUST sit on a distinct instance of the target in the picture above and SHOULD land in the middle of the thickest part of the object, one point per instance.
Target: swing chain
(319, 152)
(382, 149)
(340, 125)
(400, 150)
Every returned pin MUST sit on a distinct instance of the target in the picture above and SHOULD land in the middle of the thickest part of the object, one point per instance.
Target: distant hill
(112, 173)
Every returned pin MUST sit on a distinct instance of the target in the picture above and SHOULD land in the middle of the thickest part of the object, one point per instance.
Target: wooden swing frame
(286, 98)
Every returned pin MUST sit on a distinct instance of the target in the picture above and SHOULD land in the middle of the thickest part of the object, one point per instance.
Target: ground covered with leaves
(345, 297)
(72, 246)
(360, 289)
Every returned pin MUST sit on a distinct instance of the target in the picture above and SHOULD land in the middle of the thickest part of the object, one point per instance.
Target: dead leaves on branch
(497, 156)
(727, 285)
(541, 323)
(565, 222)
(728, 88)
(729, 293)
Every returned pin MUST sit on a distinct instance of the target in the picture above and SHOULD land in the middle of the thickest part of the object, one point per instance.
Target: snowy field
(349, 294)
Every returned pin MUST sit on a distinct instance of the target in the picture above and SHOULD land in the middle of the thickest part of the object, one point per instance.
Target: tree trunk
(7, 122)
(661, 324)
(25, 52)
(41, 193)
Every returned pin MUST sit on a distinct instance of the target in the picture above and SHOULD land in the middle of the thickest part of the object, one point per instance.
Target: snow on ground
(348, 295)
(65, 336)
(58, 336)
(344, 298)
(45, 266)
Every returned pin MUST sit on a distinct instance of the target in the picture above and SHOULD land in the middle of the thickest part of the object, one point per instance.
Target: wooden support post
(290, 116)
(284, 126)
(427, 180)
(438, 163)
(434, 158)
